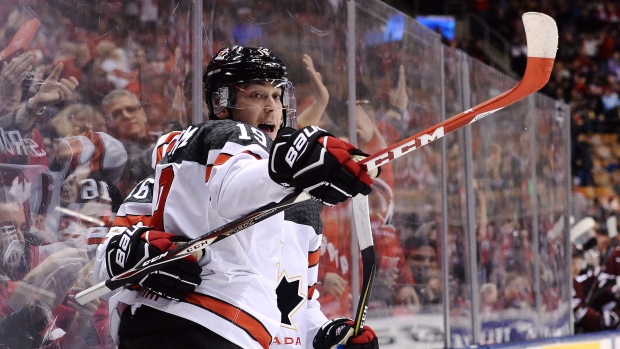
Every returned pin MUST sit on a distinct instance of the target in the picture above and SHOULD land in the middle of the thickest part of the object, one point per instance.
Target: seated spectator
(73, 120)
(516, 293)
(421, 255)
(127, 122)
(26, 303)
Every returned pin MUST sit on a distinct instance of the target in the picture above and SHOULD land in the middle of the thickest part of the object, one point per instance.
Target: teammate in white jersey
(213, 173)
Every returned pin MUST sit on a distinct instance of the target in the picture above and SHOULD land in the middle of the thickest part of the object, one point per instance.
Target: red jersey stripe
(313, 258)
(129, 220)
(237, 316)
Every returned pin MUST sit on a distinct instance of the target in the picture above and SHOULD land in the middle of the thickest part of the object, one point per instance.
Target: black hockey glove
(318, 163)
(137, 244)
(340, 331)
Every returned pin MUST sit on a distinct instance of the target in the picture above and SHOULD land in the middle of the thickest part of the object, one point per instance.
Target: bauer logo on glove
(300, 144)
(314, 161)
(137, 244)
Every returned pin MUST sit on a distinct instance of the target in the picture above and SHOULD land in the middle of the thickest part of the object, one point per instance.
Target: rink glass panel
(502, 172)
(155, 60)
(385, 41)
(551, 132)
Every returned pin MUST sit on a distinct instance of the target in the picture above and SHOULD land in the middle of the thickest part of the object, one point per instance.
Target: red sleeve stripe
(208, 173)
(311, 290)
(129, 220)
(221, 159)
(238, 317)
(313, 258)
(258, 157)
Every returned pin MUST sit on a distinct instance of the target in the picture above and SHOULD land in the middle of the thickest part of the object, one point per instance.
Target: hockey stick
(542, 41)
(542, 38)
(361, 217)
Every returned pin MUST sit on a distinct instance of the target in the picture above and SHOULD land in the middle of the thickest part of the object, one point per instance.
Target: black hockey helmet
(239, 64)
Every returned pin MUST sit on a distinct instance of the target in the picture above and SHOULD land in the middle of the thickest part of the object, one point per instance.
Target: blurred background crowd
(66, 166)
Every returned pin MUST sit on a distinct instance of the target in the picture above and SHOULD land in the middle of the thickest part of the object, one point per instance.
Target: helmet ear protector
(237, 65)
(219, 99)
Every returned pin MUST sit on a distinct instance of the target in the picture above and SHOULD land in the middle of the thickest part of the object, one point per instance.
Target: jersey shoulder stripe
(195, 142)
(164, 143)
(305, 213)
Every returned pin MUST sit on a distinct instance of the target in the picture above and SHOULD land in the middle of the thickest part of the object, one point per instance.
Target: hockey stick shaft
(541, 33)
(363, 231)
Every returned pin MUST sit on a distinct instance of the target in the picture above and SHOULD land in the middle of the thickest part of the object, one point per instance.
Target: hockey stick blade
(541, 32)
(582, 227)
(542, 42)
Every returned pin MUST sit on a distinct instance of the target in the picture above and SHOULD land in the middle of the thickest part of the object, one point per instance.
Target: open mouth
(269, 128)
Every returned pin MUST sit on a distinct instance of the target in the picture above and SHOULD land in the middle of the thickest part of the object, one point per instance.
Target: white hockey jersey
(300, 311)
(209, 175)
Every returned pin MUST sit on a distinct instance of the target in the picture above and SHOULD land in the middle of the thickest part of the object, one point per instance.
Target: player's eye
(258, 95)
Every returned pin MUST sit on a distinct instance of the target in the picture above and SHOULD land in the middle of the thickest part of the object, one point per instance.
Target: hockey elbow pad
(313, 160)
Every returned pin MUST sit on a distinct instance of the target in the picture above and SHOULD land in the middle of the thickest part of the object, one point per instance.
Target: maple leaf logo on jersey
(288, 299)
(20, 189)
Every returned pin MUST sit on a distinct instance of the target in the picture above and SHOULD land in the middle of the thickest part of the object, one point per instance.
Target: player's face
(259, 105)
(127, 118)
(82, 121)
(423, 263)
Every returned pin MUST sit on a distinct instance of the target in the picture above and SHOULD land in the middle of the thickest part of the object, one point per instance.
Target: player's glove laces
(340, 331)
(138, 244)
(318, 163)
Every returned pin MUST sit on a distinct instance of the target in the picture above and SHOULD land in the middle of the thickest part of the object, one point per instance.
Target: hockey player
(215, 172)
